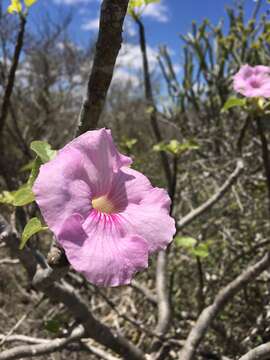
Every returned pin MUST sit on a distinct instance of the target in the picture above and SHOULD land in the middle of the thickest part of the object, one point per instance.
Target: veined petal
(102, 251)
(101, 158)
(151, 222)
(128, 186)
(157, 197)
(61, 189)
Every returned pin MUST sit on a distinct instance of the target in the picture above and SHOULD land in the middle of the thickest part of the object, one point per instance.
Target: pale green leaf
(233, 102)
(29, 3)
(23, 196)
(31, 228)
(7, 197)
(43, 150)
(200, 251)
(34, 172)
(185, 241)
(15, 7)
(28, 166)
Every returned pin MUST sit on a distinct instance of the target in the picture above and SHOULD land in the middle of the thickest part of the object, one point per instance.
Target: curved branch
(223, 297)
(49, 347)
(261, 352)
(186, 220)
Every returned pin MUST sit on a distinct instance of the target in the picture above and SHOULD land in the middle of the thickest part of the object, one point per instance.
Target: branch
(223, 297)
(12, 73)
(98, 331)
(41, 349)
(23, 338)
(163, 295)
(261, 352)
(214, 199)
(44, 280)
(144, 291)
(101, 354)
(150, 102)
(163, 299)
(265, 155)
(107, 48)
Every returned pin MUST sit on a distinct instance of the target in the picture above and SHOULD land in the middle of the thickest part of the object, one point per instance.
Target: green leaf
(31, 228)
(53, 325)
(160, 147)
(233, 102)
(201, 250)
(134, 5)
(23, 196)
(43, 150)
(29, 3)
(34, 172)
(15, 7)
(175, 147)
(28, 166)
(7, 197)
(185, 241)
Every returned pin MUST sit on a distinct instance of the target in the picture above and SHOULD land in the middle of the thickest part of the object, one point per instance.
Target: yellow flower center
(103, 204)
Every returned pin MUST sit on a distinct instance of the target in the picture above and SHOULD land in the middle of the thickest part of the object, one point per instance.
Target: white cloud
(130, 57)
(129, 64)
(91, 25)
(129, 26)
(123, 77)
(158, 12)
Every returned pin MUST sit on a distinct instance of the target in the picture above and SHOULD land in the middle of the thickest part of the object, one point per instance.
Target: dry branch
(224, 296)
(187, 219)
(261, 352)
(24, 351)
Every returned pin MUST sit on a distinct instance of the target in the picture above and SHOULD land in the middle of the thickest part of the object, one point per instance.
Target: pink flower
(106, 216)
(253, 81)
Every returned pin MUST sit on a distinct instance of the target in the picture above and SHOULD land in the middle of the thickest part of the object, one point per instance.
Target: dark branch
(107, 48)
(12, 73)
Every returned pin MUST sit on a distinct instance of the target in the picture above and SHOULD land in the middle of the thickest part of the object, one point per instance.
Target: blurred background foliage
(202, 144)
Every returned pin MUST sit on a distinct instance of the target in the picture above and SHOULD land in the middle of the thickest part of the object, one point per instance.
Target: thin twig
(187, 219)
(21, 351)
(152, 298)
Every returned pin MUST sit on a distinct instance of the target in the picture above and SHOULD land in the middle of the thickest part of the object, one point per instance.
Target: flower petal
(61, 189)
(128, 186)
(100, 157)
(107, 256)
(157, 197)
(151, 222)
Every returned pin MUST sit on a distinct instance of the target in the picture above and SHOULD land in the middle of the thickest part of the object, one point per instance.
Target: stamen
(103, 204)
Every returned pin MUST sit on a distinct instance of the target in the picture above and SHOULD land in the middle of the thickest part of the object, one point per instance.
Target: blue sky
(164, 22)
